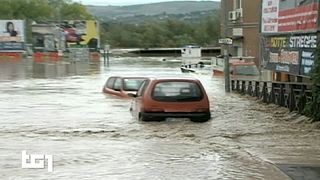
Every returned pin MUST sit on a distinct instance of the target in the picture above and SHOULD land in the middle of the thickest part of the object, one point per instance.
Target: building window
(237, 4)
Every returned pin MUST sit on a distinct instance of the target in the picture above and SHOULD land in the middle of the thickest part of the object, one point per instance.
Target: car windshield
(130, 84)
(250, 70)
(177, 92)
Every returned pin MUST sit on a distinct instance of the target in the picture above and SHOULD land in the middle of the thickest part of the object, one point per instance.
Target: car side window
(142, 88)
(110, 82)
(117, 84)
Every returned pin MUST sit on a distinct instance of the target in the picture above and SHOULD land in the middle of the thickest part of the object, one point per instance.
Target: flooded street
(60, 110)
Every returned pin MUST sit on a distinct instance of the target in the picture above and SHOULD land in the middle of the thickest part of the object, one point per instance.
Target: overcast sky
(123, 2)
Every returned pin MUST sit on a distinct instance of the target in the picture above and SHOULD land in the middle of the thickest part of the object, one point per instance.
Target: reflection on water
(93, 136)
(15, 70)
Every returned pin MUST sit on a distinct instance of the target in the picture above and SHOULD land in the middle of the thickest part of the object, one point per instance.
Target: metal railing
(293, 96)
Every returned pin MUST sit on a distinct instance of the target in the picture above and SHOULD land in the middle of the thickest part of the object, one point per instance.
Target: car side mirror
(132, 95)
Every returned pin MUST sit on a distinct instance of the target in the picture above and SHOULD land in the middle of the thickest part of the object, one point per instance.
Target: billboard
(12, 35)
(270, 11)
(292, 54)
(279, 16)
(52, 35)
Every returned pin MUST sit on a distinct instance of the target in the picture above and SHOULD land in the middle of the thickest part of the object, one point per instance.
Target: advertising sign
(289, 16)
(12, 31)
(52, 35)
(293, 54)
(11, 46)
(307, 61)
(270, 10)
(12, 35)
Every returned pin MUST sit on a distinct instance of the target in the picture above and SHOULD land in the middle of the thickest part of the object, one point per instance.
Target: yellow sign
(279, 42)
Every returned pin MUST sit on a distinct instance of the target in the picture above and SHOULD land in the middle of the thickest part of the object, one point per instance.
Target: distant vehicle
(161, 98)
(238, 68)
(244, 69)
(199, 68)
(121, 86)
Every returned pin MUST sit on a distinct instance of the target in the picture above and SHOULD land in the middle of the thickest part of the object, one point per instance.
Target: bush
(313, 108)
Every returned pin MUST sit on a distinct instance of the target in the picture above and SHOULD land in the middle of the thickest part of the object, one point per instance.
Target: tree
(313, 108)
(75, 11)
(169, 33)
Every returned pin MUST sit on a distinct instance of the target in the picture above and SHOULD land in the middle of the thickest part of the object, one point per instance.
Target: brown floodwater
(59, 110)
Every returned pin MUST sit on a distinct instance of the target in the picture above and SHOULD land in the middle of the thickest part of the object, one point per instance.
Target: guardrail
(293, 96)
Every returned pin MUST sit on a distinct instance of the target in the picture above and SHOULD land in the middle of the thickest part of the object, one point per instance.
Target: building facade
(280, 35)
(241, 22)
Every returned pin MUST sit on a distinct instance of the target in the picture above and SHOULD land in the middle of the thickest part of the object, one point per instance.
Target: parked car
(238, 68)
(161, 98)
(121, 86)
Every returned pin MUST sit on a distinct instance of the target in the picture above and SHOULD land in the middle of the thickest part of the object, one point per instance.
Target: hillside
(154, 9)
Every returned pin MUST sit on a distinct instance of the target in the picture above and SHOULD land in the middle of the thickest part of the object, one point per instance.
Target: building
(241, 22)
(280, 35)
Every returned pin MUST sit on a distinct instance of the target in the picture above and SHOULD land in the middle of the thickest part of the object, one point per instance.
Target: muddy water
(59, 110)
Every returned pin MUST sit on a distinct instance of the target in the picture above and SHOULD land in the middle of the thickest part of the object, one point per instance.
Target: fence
(293, 96)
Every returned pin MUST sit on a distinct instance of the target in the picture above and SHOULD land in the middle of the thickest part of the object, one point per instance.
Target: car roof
(129, 77)
(174, 79)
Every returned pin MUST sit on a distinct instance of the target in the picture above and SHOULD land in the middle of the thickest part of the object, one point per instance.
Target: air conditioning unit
(239, 13)
(232, 15)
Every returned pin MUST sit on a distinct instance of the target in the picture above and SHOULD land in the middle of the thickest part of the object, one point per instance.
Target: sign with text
(53, 35)
(289, 16)
(36, 161)
(291, 54)
(270, 10)
(307, 62)
(226, 41)
(12, 46)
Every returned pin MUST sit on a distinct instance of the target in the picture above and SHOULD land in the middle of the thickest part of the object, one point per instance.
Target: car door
(108, 87)
(112, 86)
(117, 86)
(136, 102)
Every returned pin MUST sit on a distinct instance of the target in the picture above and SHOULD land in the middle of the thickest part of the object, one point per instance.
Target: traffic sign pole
(226, 42)
(226, 70)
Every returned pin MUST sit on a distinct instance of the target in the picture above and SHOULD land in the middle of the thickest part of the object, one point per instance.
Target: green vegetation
(313, 108)
(130, 26)
(106, 13)
(42, 10)
(170, 32)
(166, 24)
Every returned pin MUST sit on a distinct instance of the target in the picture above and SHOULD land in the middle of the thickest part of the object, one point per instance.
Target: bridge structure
(176, 52)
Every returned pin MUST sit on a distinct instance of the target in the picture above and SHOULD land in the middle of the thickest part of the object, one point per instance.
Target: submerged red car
(121, 86)
(161, 98)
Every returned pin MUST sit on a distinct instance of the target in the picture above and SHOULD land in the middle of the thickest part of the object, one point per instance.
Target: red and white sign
(299, 18)
(276, 18)
(270, 11)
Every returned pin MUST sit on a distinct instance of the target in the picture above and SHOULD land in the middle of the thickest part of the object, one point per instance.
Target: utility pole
(226, 42)
(60, 50)
(226, 69)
